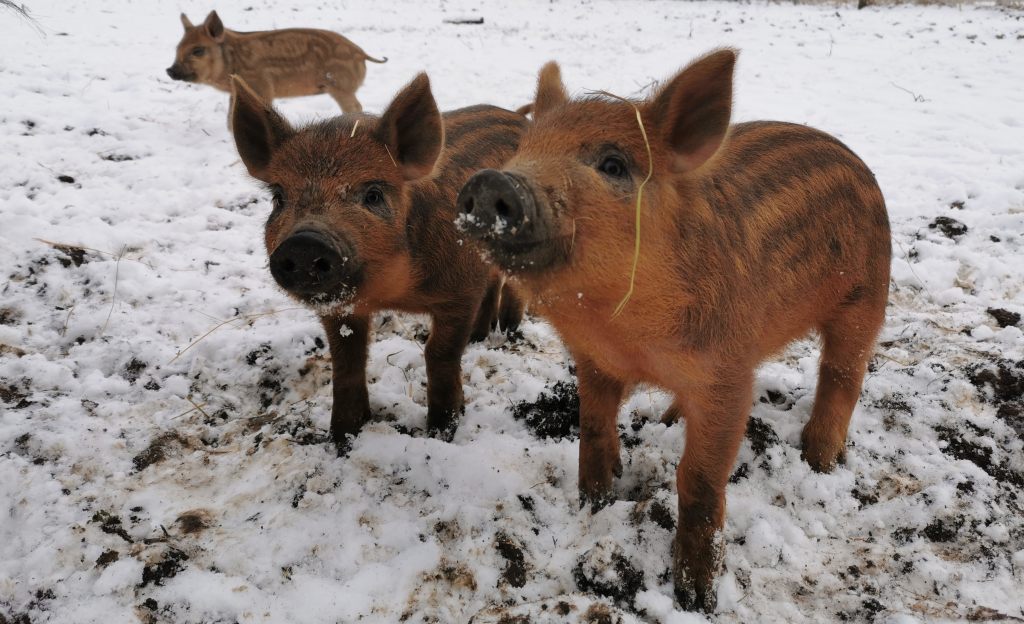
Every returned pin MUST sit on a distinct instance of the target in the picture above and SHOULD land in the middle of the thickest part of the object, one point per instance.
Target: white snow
(239, 511)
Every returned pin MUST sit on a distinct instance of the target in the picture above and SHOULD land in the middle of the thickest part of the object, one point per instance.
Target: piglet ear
(692, 110)
(258, 129)
(186, 22)
(412, 129)
(214, 27)
(551, 92)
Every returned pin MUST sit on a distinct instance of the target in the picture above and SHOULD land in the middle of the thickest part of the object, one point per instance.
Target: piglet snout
(495, 206)
(308, 262)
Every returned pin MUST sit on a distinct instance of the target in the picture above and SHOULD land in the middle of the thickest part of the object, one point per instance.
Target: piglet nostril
(468, 206)
(287, 266)
(322, 265)
(502, 208)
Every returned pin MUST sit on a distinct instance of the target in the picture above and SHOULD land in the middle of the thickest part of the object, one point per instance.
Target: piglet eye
(277, 197)
(198, 52)
(373, 197)
(613, 166)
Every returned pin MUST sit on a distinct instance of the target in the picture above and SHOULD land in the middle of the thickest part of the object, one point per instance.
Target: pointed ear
(692, 110)
(551, 92)
(412, 129)
(214, 27)
(186, 22)
(257, 127)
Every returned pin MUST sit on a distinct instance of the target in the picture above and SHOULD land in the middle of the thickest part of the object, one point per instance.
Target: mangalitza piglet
(363, 221)
(274, 63)
(751, 236)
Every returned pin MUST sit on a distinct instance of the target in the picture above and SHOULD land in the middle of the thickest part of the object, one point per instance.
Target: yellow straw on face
(639, 195)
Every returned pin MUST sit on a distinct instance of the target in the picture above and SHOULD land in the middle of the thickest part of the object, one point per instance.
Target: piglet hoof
(697, 558)
(671, 416)
(443, 427)
(822, 457)
(617, 468)
(597, 501)
(343, 444)
(696, 597)
(480, 335)
(444, 433)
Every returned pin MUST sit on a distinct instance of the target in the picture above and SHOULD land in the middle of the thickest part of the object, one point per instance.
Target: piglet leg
(449, 335)
(349, 339)
(600, 396)
(716, 418)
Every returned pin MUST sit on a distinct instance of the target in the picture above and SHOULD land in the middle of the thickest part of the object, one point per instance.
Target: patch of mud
(10, 316)
(761, 435)
(270, 387)
(158, 450)
(108, 557)
(960, 446)
(167, 566)
(134, 369)
(555, 414)
(515, 568)
(949, 227)
(194, 521)
(112, 525)
(1004, 318)
(71, 256)
(1001, 382)
(605, 571)
(15, 398)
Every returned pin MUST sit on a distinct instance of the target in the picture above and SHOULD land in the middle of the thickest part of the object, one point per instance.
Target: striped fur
(752, 236)
(291, 62)
(409, 253)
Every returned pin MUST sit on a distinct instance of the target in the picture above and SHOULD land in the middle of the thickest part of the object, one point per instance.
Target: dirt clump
(555, 414)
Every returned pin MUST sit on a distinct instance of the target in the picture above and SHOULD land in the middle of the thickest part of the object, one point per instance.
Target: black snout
(309, 262)
(496, 206)
(176, 72)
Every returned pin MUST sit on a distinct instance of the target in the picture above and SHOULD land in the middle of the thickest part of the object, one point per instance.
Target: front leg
(600, 396)
(349, 339)
(716, 419)
(449, 335)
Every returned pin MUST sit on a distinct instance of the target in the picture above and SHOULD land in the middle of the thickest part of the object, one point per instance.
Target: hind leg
(510, 312)
(346, 100)
(848, 341)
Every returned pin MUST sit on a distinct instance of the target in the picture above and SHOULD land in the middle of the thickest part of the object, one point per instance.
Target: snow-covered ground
(119, 504)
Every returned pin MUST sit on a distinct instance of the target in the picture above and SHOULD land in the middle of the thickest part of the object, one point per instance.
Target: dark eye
(613, 166)
(198, 52)
(373, 197)
(277, 196)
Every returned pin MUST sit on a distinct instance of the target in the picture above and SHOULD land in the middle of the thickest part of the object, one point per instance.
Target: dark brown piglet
(363, 222)
(751, 236)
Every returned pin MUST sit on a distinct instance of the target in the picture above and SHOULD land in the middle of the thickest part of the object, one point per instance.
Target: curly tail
(373, 60)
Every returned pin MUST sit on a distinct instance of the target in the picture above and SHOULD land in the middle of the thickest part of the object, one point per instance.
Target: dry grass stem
(197, 407)
(118, 256)
(356, 125)
(391, 157)
(639, 196)
(67, 320)
(237, 318)
(907, 259)
(113, 296)
(409, 334)
(903, 364)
